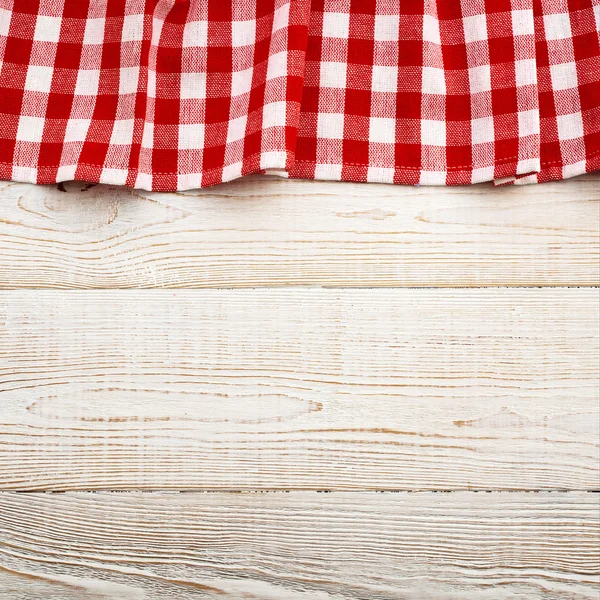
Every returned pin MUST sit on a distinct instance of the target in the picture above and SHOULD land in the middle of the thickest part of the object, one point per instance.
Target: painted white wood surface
(274, 232)
(300, 546)
(299, 389)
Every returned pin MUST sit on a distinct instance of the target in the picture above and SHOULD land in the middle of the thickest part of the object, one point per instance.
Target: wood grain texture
(300, 546)
(299, 389)
(272, 232)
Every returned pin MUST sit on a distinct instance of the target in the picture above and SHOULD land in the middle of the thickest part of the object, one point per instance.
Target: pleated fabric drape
(181, 94)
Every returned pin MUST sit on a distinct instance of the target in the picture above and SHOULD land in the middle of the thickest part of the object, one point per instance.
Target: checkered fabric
(568, 74)
(181, 94)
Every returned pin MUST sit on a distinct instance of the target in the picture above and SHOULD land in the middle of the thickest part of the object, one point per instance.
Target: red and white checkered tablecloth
(181, 94)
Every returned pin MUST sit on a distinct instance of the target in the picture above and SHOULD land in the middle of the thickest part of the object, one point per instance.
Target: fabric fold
(161, 95)
(568, 67)
(422, 93)
(181, 94)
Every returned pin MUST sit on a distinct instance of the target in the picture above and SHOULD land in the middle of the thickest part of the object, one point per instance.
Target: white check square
(189, 181)
(480, 79)
(382, 130)
(243, 33)
(475, 28)
(143, 181)
(482, 130)
(564, 76)
(431, 29)
(24, 174)
(193, 85)
(236, 129)
(114, 176)
(30, 129)
(277, 65)
(281, 17)
(241, 82)
(191, 136)
(195, 33)
(39, 79)
(433, 178)
(433, 133)
(557, 26)
(77, 129)
(570, 127)
(232, 171)
(274, 114)
(333, 74)
(385, 79)
(380, 175)
(47, 29)
(574, 169)
(94, 31)
(87, 83)
(148, 135)
(525, 72)
(434, 81)
(330, 126)
(122, 132)
(5, 18)
(128, 80)
(66, 173)
(522, 22)
(133, 28)
(328, 172)
(529, 122)
(387, 28)
(336, 25)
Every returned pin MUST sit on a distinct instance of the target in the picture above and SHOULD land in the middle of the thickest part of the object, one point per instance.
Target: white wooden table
(365, 391)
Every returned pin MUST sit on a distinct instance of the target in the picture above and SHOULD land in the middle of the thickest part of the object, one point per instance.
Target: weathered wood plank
(273, 232)
(300, 546)
(299, 389)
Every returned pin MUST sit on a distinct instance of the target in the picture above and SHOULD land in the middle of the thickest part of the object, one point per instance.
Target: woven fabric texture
(182, 94)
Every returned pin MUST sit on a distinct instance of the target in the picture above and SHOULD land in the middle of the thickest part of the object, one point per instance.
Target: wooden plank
(299, 389)
(274, 232)
(300, 546)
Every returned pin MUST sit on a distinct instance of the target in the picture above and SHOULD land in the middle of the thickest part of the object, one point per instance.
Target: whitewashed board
(271, 232)
(300, 546)
(299, 389)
